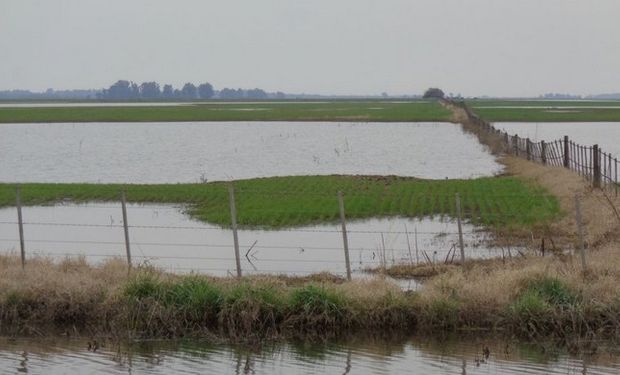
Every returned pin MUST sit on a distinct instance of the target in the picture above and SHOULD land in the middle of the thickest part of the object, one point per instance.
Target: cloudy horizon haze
(337, 47)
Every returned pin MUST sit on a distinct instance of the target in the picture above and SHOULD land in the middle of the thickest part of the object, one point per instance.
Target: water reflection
(165, 237)
(354, 355)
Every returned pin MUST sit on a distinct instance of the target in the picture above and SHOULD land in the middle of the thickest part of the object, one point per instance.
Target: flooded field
(419, 355)
(166, 238)
(605, 134)
(199, 151)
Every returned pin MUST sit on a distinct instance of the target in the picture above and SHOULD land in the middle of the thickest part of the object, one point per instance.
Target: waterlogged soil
(223, 151)
(419, 355)
(605, 134)
(163, 236)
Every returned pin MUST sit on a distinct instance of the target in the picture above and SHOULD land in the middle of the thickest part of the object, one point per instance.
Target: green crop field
(546, 110)
(363, 111)
(501, 202)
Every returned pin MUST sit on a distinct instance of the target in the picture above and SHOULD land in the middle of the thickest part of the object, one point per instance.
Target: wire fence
(597, 166)
(163, 236)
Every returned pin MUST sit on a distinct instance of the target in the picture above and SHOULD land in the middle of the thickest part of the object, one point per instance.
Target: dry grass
(489, 294)
(527, 296)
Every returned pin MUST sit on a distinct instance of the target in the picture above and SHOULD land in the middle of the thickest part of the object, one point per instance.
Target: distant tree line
(127, 90)
(124, 90)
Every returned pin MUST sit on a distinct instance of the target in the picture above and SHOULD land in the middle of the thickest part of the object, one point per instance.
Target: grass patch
(318, 307)
(503, 202)
(366, 111)
(543, 295)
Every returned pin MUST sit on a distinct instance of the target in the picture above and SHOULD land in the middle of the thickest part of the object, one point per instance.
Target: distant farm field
(546, 110)
(362, 111)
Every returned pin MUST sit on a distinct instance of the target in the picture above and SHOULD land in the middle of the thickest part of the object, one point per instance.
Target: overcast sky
(473, 47)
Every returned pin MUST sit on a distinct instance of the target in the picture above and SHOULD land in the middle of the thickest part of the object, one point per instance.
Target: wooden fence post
(345, 240)
(233, 222)
(580, 232)
(458, 220)
(528, 149)
(596, 167)
(20, 224)
(566, 153)
(543, 152)
(126, 227)
(515, 141)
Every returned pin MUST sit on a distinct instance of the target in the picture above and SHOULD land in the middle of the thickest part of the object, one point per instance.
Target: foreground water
(163, 236)
(368, 355)
(202, 151)
(605, 134)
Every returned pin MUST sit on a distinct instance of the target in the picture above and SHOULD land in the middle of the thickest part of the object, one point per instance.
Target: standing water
(361, 355)
(222, 151)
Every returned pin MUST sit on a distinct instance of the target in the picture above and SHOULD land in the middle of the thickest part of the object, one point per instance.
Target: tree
(189, 91)
(256, 94)
(168, 92)
(433, 93)
(227, 93)
(205, 91)
(119, 90)
(150, 90)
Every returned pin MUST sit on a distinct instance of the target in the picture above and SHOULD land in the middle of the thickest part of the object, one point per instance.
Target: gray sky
(473, 47)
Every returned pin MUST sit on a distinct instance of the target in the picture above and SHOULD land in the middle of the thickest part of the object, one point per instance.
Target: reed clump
(529, 297)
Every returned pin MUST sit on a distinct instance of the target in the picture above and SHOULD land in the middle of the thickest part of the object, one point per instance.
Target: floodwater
(222, 151)
(163, 236)
(357, 355)
(605, 134)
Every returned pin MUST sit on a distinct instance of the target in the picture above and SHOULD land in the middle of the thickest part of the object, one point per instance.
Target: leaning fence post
(596, 167)
(566, 153)
(458, 220)
(580, 232)
(233, 222)
(20, 224)
(543, 152)
(126, 227)
(345, 240)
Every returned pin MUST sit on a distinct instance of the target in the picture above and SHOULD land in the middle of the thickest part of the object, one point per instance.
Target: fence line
(597, 166)
(221, 252)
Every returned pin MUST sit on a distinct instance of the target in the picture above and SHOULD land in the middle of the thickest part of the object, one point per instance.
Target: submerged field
(501, 202)
(361, 111)
(546, 111)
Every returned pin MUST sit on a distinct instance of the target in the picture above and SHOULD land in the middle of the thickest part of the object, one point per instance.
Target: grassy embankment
(531, 298)
(498, 202)
(547, 111)
(380, 111)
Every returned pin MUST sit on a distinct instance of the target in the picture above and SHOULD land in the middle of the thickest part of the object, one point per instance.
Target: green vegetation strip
(502, 202)
(577, 111)
(380, 111)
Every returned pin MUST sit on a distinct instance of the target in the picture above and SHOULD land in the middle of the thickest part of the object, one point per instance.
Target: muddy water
(194, 151)
(605, 134)
(167, 238)
(416, 355)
